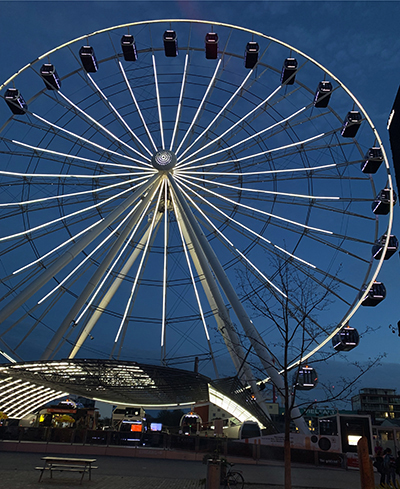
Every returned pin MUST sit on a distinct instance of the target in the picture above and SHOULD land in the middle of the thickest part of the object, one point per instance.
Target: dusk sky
(356, 41)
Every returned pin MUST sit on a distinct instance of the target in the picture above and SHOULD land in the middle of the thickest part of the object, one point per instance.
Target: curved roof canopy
(115, 381)
(24, 387)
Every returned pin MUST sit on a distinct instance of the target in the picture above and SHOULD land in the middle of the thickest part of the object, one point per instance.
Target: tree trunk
(287, 454)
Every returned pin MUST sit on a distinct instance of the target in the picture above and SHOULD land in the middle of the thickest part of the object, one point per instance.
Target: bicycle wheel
(235, 479)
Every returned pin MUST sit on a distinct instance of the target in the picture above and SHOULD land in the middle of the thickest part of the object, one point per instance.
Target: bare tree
(293, 308)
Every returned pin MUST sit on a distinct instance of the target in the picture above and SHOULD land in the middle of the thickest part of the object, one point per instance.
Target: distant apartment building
(381, 404)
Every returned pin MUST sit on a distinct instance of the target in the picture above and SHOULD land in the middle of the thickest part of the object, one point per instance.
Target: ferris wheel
(148, 167)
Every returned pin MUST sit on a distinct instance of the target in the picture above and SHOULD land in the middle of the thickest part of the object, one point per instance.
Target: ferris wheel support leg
(69, 255)
(253, 335)
(217, 305)
(93, 282)
(109, 295)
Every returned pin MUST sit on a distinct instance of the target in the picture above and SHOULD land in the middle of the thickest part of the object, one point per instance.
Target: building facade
(381, 404)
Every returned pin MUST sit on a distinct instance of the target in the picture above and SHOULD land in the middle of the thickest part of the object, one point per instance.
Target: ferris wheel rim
(349, 93)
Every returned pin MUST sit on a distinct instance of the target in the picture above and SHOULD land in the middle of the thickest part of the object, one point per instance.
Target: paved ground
(17, 472)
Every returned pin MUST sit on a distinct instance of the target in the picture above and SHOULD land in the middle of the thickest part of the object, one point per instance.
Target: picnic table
(67, 464)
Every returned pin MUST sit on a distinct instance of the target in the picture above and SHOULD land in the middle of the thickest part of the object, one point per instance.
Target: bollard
(213, 480)
(366, 469)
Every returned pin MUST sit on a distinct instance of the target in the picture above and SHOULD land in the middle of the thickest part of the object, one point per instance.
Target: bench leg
(40, 476)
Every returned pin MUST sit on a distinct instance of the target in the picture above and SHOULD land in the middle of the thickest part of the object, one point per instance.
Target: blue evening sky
(357, 41)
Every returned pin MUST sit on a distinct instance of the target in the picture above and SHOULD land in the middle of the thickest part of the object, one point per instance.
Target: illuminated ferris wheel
(146, 166)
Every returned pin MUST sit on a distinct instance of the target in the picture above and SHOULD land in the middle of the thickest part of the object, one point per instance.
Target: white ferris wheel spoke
(43, 257)
(260, 191)
(104, 129)
(73, 157)
(91, 322)
(280, 148)
(200, 107)
(238, 223)
(137, 105)
(141, 264)
(88, 141)
(190, 271)
(165, 263)
(158, 102)
(119, 116)
(221, 136)
(233, 247)
(254, 209)
(179, 108)
(121, 253)
(88, 256)
(69, 175)
(217, 116)
(63, 218)
(262, 172)
(75, 194)
(182, 163)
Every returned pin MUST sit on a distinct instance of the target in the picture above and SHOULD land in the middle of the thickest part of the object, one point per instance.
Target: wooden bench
(64, 464)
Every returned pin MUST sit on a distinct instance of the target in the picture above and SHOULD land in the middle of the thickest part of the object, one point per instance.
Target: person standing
(378, 464)
(389, 464)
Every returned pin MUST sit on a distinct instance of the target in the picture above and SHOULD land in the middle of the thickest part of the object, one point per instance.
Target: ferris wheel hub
(164, 160)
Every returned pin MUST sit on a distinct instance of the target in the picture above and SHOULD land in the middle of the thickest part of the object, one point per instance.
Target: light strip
(80, 138)
(262, 153)
(270, 192)
(75, 194)
(200, 106)
(260, 211)
(119, 115)
(58, 247)
(237, 123)
(179, 108)
(230, 406)
(191, 271)
(132, 234)
(229, 148)
(144, 253)
(164, 298)
(41, 226)
(239, 88)
(158, 102)
(73, 157)
(100, 126)
(136, 105)
(87, 257)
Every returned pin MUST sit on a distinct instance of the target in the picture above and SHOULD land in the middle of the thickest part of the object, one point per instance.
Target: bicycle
(233, 478)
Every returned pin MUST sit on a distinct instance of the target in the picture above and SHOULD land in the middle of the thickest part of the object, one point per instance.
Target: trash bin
(213, 474)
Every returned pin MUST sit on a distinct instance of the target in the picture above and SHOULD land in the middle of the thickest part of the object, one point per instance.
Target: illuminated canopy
(126, 383)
